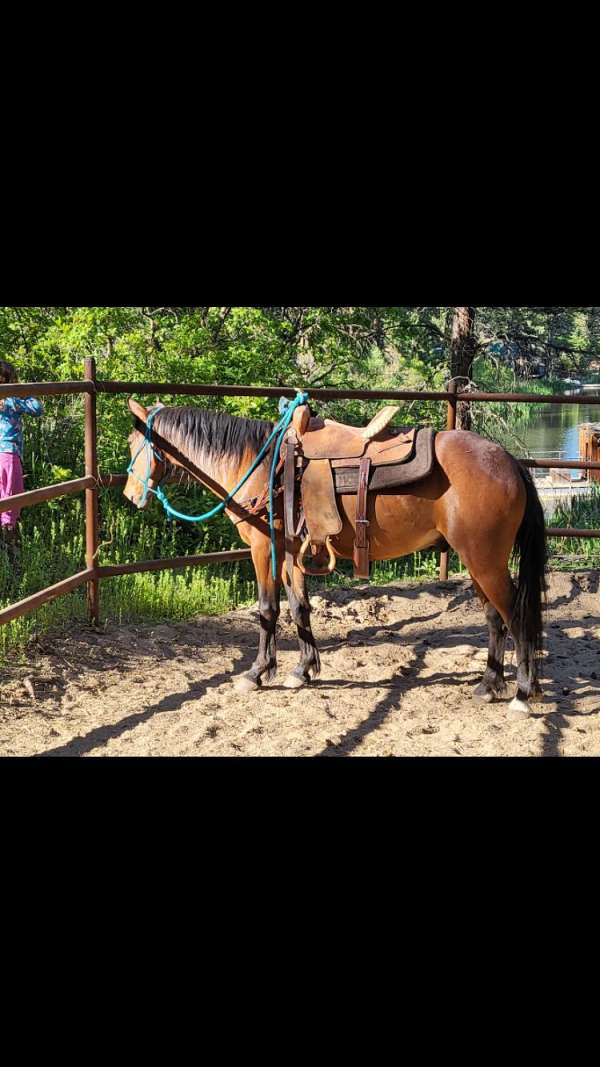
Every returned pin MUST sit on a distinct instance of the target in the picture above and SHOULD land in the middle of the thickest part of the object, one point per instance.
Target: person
(12, 483)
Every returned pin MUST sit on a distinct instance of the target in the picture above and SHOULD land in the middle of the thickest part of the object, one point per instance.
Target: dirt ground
(399, 668)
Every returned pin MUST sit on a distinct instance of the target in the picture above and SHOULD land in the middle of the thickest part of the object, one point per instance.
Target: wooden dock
(553, 495)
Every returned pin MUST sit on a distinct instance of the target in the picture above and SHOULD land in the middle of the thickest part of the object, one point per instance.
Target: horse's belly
(400, 525)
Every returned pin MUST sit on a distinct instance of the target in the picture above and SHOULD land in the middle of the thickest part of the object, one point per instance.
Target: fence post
(451, 425)
(91, 495)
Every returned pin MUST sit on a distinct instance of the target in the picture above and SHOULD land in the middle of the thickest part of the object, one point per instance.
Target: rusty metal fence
(93, 483)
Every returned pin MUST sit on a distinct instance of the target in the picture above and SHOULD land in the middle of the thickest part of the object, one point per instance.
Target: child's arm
(31, 406)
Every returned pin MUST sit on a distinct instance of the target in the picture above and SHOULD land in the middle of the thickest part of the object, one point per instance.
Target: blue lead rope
(288, 408)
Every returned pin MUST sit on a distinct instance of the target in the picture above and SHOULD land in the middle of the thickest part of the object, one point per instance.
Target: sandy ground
(399, 668)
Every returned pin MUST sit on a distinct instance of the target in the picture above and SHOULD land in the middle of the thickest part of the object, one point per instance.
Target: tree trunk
(463, 352)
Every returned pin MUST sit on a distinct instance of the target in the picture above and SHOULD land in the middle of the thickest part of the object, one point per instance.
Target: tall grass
(52, 548)
(52, 545)
(581, 513)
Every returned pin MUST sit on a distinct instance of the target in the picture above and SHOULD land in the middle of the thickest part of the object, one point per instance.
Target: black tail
(531, 550)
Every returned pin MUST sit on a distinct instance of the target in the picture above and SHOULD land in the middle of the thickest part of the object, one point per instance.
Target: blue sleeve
(30, 406)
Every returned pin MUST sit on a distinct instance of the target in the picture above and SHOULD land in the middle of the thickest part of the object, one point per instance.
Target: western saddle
(328, 460)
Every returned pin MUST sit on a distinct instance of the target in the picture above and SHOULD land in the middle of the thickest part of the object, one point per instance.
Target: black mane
(210, 437)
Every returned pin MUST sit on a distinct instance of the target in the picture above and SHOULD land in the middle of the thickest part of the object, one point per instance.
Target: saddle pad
(392, 476)
(319, 502)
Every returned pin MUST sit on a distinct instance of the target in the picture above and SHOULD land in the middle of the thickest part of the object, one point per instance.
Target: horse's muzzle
(133, 495)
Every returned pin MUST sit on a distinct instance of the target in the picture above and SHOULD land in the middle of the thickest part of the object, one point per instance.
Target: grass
(138, 598)
(170, 595)
(52, 548)
(52, 545)
(582, 513)
(57, 551)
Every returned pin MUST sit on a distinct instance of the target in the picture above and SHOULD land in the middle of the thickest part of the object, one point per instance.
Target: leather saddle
(337, 460)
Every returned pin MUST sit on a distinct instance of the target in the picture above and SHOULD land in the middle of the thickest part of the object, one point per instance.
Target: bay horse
(478, 500)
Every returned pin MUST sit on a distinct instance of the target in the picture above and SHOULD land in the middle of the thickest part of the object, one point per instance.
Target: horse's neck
(222, 476)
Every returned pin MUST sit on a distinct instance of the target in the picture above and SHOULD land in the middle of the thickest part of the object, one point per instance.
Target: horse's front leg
(310, 660)
(265, 667)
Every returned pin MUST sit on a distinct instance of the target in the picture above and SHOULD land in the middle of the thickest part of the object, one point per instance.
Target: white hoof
(519, 709)
(293, 681)
(245, 685)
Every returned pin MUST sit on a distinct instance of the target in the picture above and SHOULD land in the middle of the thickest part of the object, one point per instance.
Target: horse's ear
(138, 410)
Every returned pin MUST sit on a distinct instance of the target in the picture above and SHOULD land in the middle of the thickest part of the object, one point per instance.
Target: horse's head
(147, 467)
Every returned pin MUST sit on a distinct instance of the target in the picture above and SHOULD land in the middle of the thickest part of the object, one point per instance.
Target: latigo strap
(362, 544)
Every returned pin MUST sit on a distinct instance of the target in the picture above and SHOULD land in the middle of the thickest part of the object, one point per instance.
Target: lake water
(551, 429)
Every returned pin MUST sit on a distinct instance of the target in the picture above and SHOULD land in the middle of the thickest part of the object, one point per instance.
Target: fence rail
(24, 390)
(336, 394)
(95, 481)
(42, 496)
(32, 603)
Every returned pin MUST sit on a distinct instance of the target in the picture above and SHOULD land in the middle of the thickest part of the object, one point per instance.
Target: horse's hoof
(245, 685)
(519, 710)
(484, 695)
(489, 694)
(294, 681)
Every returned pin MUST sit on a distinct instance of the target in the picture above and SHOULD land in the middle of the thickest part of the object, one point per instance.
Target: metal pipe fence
(93, 482)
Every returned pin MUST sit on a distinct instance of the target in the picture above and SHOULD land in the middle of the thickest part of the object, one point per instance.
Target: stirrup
(317, 574)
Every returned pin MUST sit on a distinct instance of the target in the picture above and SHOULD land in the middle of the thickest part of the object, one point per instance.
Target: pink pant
(11, 483)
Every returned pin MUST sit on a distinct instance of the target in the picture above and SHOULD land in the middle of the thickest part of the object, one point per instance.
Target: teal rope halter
(287, 408)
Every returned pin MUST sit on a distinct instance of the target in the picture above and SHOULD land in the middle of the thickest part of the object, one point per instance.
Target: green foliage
(385, 348)
(581, 513)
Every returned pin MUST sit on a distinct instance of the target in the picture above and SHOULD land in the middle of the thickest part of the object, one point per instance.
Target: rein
(277, 436)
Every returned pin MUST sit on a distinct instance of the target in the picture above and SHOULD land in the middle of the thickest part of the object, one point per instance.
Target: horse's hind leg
(265, 666)
(499, 589)
(493, 684)
(310, 660)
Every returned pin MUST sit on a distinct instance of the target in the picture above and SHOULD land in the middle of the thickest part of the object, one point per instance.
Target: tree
(463, 350)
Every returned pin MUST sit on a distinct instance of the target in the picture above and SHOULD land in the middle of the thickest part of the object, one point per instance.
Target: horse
(478, 500)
